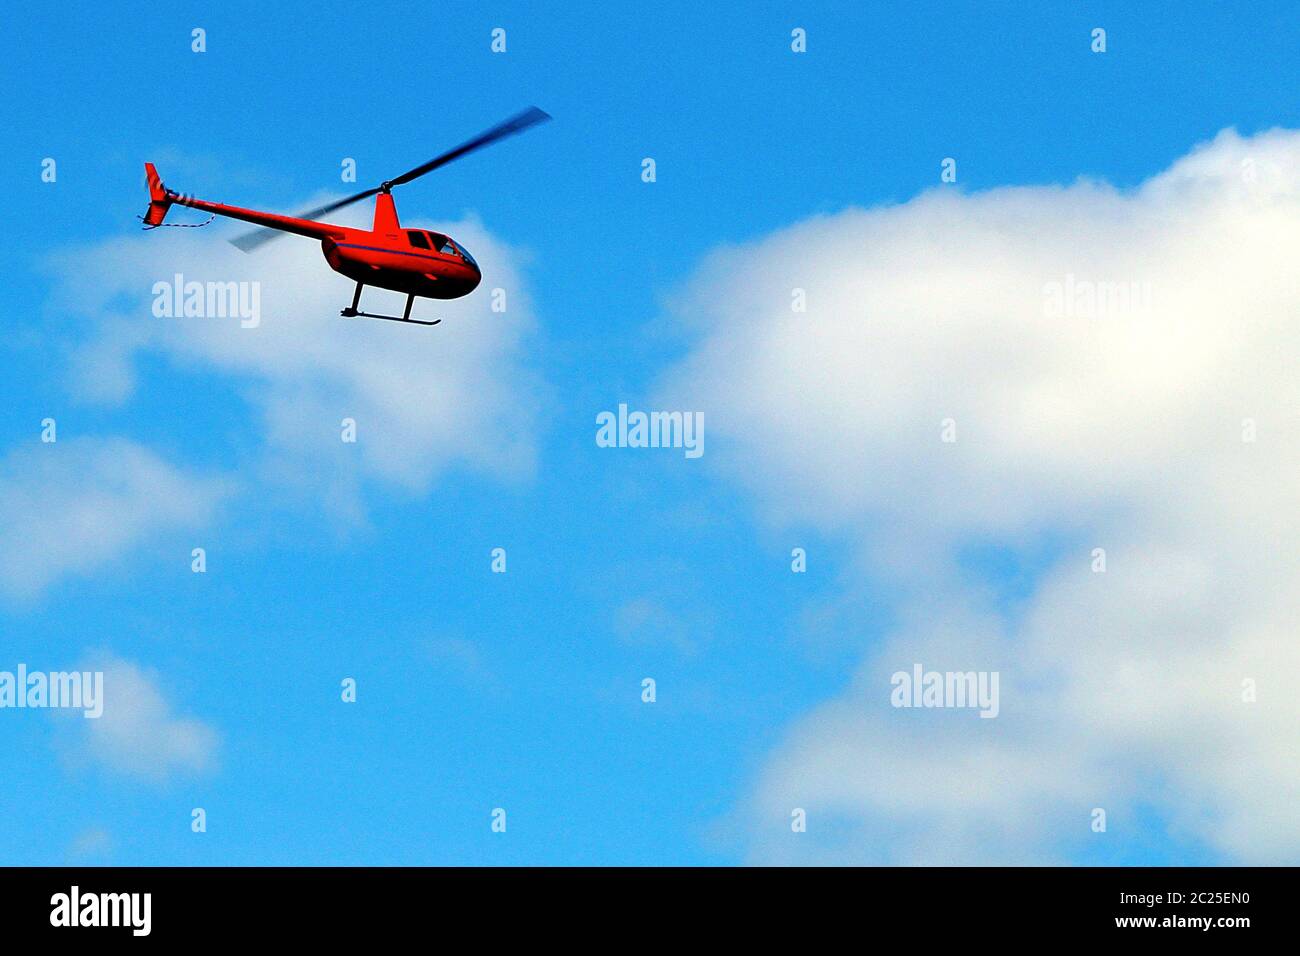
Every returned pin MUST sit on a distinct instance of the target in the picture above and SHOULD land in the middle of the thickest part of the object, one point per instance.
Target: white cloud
(466, 661)
(90, 844)
(138, 733)
(1118, 427)
(72, 506)
(424, 399)
(646, 621)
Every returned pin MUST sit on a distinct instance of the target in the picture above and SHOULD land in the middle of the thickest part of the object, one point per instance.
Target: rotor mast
(385, 213)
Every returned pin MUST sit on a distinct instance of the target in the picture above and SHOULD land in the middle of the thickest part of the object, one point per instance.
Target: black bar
(203, 905)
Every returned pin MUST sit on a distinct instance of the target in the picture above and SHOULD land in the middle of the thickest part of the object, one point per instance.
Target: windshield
(464, 253)
(444, 245)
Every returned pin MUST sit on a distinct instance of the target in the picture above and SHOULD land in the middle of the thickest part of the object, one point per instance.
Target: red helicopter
(414, 261)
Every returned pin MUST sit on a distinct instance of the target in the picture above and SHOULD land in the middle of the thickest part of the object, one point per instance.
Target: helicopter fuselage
(414, 261)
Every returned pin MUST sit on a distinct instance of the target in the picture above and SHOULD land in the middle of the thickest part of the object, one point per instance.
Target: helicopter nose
(477, 272)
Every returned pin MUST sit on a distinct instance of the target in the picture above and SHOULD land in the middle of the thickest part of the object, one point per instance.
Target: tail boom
(161, 199)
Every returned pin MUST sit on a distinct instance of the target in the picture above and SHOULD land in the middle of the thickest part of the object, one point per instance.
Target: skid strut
(352, 311)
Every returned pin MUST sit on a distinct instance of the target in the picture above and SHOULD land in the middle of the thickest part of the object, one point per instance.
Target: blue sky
(522, 690)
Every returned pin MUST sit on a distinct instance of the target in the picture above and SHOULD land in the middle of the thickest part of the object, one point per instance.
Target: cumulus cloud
(423, 399)
(70, 506)
(1118, 369)
(139, 734)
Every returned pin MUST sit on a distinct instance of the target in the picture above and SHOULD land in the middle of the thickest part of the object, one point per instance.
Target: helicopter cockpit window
(418, 240)
(445, 246)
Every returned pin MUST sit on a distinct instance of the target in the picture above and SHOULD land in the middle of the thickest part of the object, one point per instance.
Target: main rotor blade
(251, 240)
(516, 124)
(337, 204)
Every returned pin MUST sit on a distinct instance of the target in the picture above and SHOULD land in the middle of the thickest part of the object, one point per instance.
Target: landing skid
(351, 312)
